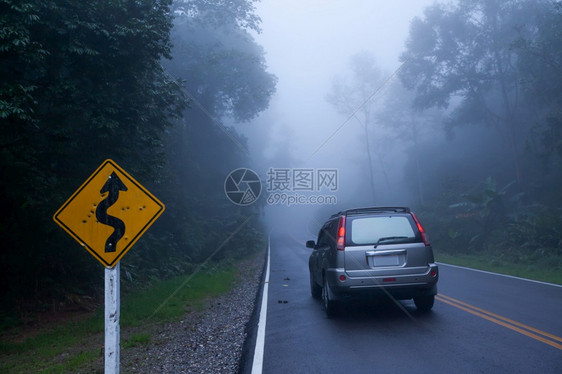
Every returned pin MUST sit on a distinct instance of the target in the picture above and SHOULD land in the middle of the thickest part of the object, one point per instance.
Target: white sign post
(109, 233)
(112, 307)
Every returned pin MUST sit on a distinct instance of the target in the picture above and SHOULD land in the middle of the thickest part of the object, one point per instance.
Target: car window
(369, 230)
(321, 235)
(325, 238)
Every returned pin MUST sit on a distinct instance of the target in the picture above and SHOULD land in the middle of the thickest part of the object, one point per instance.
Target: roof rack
(377, 209)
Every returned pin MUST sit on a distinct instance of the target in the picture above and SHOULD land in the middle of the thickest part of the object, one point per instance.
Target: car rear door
(379, 245)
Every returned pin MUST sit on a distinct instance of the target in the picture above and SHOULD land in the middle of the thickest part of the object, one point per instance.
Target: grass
(72, 346)
(137, 340)
(544, 270)
(180, 294)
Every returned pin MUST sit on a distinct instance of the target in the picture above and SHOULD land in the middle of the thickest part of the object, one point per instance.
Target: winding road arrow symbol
(113, 186)
(99, 215)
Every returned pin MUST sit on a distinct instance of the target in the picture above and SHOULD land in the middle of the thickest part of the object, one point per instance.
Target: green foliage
(492, 63)
(214, 14)
(487, 202)
(485, 211)
(73, 346)
(462, 55)
(188, 293)
(540, 63)
(221, 66)
(494, 226)
(223, 73)
(136, 340)
(545, 270)
(83, 82)
(42, 350)
(537, 229)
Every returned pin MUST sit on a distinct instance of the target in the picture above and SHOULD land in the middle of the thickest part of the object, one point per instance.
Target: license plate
(385, 260)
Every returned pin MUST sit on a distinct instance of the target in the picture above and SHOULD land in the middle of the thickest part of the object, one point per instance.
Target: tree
(408, 124)
(224, 75)
(354, 97)
(462, 54)
(541, 68)
(80, 82)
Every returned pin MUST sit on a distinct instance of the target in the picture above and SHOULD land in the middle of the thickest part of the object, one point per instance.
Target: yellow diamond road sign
(109, 213)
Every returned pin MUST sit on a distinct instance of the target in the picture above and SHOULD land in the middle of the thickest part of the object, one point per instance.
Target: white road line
(257, 365)
(502, 275)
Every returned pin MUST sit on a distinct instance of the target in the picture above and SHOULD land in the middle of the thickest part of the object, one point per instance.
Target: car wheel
(315, 289)
(330, 305)
(424, 303)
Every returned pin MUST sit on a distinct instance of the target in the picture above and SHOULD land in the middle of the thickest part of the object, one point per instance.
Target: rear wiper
(389, 238)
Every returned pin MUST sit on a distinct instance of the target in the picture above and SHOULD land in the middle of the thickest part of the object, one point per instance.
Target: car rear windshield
(386, 229)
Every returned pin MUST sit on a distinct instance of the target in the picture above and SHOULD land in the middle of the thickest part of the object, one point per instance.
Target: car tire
(315, 289)
(424, 303)
(330, 305)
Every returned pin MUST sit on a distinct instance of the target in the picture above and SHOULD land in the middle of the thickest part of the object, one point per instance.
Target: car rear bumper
(398, 286)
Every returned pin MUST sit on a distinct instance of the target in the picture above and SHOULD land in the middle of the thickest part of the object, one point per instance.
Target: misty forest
(467, 131)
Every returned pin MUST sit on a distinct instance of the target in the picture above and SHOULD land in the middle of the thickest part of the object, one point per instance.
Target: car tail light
(340, 240)
(424, 235)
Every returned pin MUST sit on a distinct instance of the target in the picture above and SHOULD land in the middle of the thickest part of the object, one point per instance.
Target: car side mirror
(310, 244)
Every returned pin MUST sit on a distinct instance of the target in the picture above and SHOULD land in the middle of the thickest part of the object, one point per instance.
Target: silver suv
(373, 252)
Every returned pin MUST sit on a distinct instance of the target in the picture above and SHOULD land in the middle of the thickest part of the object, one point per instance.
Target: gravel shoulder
(207, 341)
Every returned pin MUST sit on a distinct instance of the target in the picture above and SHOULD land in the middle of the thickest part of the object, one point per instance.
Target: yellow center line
(553, 337)
(506, 322)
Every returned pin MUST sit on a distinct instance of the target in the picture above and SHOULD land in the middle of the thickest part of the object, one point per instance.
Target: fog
(452, 108)
(309, 44)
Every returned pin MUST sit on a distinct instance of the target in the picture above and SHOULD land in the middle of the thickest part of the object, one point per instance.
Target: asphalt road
(481, 323)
